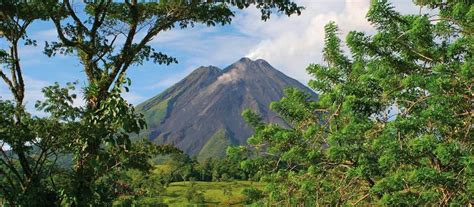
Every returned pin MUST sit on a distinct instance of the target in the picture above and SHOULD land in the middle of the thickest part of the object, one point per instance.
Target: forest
(392, 124)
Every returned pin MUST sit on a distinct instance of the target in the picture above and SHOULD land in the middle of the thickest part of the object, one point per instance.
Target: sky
(289, 44)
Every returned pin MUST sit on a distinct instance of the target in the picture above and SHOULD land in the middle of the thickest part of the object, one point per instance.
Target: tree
(393, 123)
(28, 148)
(182, 166)
(252, 195)
(94, 39)
(193, 194)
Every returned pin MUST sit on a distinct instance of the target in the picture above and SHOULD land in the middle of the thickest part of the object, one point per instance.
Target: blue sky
(288, 43)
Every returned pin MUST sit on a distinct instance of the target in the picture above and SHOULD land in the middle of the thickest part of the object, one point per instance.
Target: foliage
(220, 169)
(193, 195)
(24, 181)
(252, 195)
(138, 188)
(178, 166)
(393, 125)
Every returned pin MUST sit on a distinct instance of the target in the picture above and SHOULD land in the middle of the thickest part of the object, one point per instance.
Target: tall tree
(25, 161)
(108, 38)
(393, 123)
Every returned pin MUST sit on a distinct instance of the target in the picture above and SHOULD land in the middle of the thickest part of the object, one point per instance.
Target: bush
(194, 195)
(252, 195)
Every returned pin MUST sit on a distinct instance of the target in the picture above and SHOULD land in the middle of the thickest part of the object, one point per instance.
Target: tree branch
(6, 80)
(75, 17)
(99, 20)
(62, 37)
(7, 162)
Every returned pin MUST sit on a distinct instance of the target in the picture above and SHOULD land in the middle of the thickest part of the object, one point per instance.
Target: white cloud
(291, 44)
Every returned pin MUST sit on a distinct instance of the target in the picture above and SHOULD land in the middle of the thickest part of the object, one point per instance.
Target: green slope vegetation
(216, 146)
(157, 113)
(153, 116)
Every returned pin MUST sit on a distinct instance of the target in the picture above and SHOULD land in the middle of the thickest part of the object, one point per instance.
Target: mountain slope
(216, 146)
(209, 102)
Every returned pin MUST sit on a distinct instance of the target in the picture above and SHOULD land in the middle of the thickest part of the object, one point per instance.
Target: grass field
(213, 193)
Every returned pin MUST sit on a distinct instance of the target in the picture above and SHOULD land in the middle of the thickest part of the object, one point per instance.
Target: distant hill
(201, 114)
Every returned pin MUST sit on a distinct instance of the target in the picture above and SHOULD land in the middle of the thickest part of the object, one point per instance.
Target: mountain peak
(206, 69)
(203, 111)
(245, 60)
(247, 64)
(262, 61)
(204, 72)
(243, 63)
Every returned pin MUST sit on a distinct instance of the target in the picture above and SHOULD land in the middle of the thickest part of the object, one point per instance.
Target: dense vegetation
(393, 123)
(96, 136)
